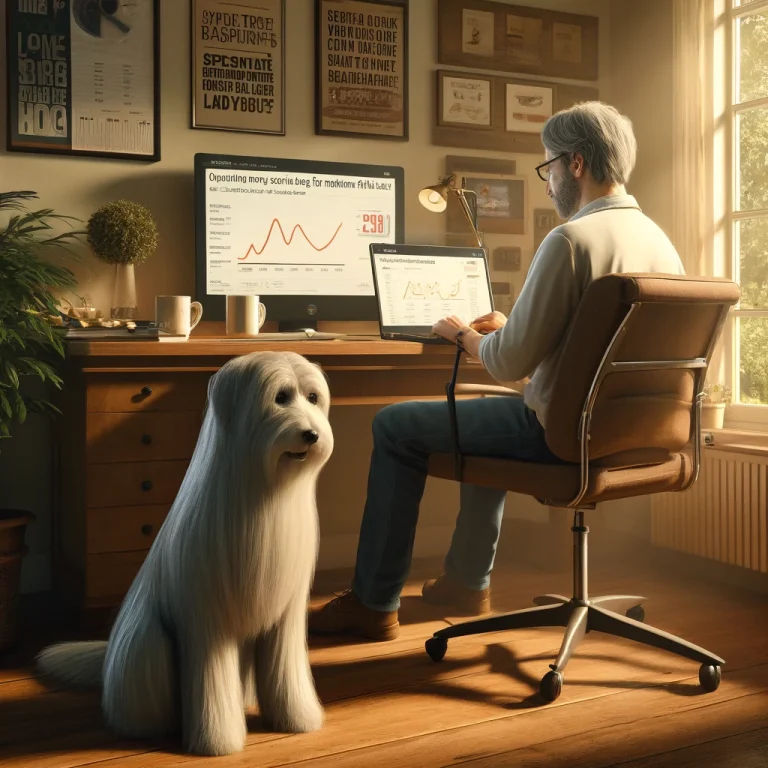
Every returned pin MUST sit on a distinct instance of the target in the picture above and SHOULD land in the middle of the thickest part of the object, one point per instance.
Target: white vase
(712, 415)
(124, 303)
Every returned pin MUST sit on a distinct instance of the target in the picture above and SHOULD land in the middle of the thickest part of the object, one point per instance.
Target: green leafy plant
(29, 346)
(122, 232)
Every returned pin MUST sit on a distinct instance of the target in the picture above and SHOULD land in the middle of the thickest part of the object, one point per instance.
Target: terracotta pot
(13, 526)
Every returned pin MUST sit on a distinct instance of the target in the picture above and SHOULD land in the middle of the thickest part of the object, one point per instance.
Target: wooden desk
(131, 415)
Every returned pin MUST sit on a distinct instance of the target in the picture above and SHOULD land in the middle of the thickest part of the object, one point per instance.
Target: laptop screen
(418, 285)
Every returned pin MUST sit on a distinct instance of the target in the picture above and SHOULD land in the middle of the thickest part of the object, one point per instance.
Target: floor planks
(389, 704)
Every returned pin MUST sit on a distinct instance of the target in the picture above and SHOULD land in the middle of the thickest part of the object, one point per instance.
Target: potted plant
(29, 347)
(123, 233)
(716, 397)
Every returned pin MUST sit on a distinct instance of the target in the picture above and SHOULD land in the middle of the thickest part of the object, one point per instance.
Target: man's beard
(566, 199)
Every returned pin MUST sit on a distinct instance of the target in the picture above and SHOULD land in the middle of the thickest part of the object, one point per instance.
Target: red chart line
(287, 241)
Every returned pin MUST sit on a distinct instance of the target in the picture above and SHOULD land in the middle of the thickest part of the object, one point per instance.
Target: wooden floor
(389, 704)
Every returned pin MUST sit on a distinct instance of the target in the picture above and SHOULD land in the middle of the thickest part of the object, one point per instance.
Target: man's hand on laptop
(449, 328)
(488, 323)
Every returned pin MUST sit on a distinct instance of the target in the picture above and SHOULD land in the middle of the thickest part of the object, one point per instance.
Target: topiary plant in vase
(123, 233)
(29, 347)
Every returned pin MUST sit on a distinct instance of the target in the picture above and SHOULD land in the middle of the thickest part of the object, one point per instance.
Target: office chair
(625, 407)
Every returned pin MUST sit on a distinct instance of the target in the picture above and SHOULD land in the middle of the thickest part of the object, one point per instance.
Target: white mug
(177, 315)
(245, 315)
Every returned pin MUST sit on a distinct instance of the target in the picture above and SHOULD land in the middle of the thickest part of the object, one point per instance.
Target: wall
(76, 186)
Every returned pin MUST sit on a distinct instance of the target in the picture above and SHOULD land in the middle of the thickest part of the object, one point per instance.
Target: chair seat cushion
(560, 483)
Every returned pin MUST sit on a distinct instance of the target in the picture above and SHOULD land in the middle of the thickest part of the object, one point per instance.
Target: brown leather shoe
(346, 615)
(448, 592)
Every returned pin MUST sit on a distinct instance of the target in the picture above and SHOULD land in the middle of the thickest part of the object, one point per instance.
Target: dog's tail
(75, 664)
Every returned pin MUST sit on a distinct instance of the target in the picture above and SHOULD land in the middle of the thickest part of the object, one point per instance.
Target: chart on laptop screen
(416, 291)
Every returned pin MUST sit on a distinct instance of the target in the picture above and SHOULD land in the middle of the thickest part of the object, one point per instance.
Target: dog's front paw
(297, 719)
(213, 742)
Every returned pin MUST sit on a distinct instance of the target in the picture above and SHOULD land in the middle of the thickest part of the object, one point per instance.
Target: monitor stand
(293, 326)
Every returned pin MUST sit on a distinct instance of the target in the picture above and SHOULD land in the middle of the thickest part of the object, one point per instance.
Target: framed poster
(238, 65)
(361, 68)
(483, 34)
(84, 78)
(517, 113)
(464, 100)
(502, 204)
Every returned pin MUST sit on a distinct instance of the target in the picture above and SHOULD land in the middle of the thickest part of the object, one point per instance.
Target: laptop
(417, 285)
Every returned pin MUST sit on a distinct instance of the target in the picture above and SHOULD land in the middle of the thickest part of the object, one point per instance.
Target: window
(747, 224)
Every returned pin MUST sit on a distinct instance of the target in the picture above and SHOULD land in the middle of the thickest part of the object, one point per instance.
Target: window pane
(751, 249)
(752, 162)
(753, 360)
(737, 3)
(752, 37)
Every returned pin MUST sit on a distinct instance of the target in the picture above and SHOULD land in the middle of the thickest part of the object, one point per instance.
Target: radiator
(723, 516)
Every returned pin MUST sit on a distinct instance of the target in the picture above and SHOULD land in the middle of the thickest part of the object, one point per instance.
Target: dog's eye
(312, 398)
(282, 397)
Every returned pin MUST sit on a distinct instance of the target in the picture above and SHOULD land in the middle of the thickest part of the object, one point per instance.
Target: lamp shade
(435, 198)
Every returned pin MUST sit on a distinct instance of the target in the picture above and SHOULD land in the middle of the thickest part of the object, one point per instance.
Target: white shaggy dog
(216, 617)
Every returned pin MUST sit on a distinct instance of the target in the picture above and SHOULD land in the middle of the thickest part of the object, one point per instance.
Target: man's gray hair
(599, 133)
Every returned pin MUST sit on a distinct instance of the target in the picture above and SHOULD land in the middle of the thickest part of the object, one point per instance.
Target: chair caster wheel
(636, 612)
(709, 677)
(436, 648)
(551, 686)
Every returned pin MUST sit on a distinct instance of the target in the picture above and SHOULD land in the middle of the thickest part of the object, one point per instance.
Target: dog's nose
(310, 436)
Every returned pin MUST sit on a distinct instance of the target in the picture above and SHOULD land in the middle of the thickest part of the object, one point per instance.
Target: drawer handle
(146, 391)
(146, 485)
(146, 530)
(146, 439)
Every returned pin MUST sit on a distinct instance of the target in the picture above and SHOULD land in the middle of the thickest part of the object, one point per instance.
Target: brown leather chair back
(639, 417)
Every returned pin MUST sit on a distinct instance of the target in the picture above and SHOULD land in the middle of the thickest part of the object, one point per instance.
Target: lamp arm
(470, 213)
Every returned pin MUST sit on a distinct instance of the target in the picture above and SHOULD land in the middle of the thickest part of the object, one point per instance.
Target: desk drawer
(109, 576)
(116, 437)
(134, 484)
(119, 529)
(126, 392)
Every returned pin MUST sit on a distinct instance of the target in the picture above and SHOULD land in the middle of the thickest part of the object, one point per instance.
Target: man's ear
(577, 165)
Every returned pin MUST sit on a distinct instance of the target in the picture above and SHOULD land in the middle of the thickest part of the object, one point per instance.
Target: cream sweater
(609, 235)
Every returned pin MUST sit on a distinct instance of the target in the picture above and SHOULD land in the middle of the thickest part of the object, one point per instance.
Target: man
(590, 154)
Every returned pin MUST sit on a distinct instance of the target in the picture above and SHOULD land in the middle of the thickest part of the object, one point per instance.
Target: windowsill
(736, 441)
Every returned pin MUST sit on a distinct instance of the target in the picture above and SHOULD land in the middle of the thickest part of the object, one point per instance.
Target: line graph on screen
(287, 240)
(433, 290)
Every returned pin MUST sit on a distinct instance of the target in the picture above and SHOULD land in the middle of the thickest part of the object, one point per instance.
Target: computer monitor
(294, 232)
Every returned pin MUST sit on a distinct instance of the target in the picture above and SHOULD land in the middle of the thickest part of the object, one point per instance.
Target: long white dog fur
(215, 620)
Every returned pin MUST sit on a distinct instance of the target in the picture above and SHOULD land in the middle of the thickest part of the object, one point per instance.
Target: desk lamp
(435, 198)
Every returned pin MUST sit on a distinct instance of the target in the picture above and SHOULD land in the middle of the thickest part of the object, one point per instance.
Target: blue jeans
(404, 435)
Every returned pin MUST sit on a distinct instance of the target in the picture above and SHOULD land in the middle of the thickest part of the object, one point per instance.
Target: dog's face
(275, 406)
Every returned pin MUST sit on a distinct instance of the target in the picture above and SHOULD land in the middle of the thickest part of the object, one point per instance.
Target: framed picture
(84, 78)
(518, 110)
(502, 203)
(238, 65)
(527, 107)
(464, 101)
(482, 34)
(361, 68)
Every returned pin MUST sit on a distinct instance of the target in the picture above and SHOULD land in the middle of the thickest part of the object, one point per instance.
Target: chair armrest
(486, 389)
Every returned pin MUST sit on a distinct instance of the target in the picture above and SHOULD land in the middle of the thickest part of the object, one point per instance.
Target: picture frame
(238, 66)
(519, 135)
(482, 34)
(361, 83)
(464, 100)
(502, 196)
(71, 90)
(527, 107)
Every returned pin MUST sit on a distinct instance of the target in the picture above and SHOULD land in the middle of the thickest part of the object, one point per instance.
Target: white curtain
(692, 229)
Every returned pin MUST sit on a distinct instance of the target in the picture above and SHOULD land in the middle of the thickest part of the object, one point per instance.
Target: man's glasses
(543, 169)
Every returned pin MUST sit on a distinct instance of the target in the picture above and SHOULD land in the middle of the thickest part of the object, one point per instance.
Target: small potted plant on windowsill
(716, 398)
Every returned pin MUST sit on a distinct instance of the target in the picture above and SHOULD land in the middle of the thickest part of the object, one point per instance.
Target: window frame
(745, 416)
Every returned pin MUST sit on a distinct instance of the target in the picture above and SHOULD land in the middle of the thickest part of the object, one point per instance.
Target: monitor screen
(294, 232)
(418, 285)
